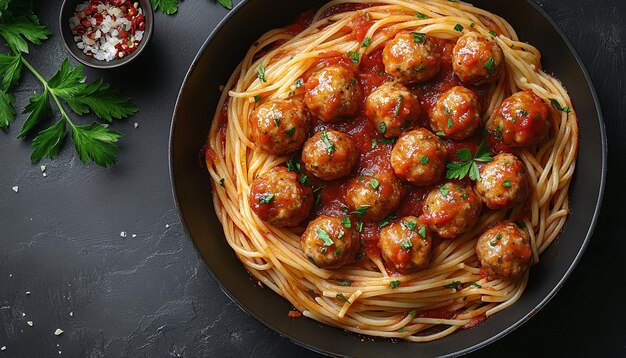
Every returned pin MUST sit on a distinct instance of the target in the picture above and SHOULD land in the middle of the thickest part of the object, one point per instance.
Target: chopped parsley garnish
(382, 128)
(493, 243)
(323, 235)
(361, 211)
(366, 42)
(446, 110)
(458, 27)
(440, 134)
(413, 313)
(493, 33)
(558, 106)
(476, 285)
(345, 283)
(396, 110)
(312, 260)
(374, 143)
(359, 226)
(490, 66)
(386, 221)
(419, 15)
(419, 37)
(422, 231)
(222, 182)
(420, 68)
(293, 165)
(472, 25)
(257, 98)
(266, 198)
(345, 221)
(520, 223)
(453, 284)
(394, 283)
(409, 224)
(299, 82)
(341, 233)
(330, 147)
(523, 113)
(424, 159)
(342, 297)
(262, 73)
(388, 140)
(354, 56)
(444, 190)
(401, 329)
(458, 170)
(304, 179)
(374, 183)
(507, 183)
(277, 121)
(408, 244)
(498, 236)
(290, 131)
(450, 123)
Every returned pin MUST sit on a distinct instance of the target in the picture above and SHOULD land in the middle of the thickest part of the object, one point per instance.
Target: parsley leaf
(419, 15)
(558, 106)
(261, 73)
(20, 26)
(10, 70)
(266, 198)
(453, 284)
(48, 142)
(490, 66)
(330, 147)
(168, 7)
(322, 234)
(458, 27)
(422, 231)
(458, 170)
(227, 4)
(360, 212)
(102, 100)
(39, 108)
(366, 42)
(342, 297)
(95, 142)
(394, 283)
(345, 221)
(409, 224)
(7, 112)
(354, 56)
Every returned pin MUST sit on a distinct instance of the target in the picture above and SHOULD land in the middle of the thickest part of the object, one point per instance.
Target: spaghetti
(451, 293)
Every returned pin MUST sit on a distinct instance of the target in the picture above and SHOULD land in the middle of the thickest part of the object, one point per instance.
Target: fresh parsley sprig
(458, 170)
(93, 142)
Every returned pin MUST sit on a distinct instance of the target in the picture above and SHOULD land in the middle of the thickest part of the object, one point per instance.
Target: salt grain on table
(58, 332)
(16, 188)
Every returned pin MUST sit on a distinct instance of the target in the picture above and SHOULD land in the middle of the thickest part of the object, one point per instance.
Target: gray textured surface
(150, 296)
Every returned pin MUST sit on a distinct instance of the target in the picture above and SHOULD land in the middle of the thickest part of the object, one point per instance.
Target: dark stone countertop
(151, 296)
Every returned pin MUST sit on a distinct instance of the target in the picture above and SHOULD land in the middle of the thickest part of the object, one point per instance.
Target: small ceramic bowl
(67, 11)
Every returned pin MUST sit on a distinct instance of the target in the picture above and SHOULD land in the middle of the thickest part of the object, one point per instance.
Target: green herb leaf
(483, 154)
(299, 83)
(304, 179)
(96, 142)
(396, 110)
(394, 283)
(342, 297)
(382, 128)
(361, 211)
(464, 154)
(474, 173)
(102, 100)
(17, 29)
(444, 190)
(374, 143)
(409, 224)
(440, 134)
(402, 330)
(10, 70)
(359, 226)
(490, 66)
(39, 109)
(312, 260)
(266, 198)
(345, 283)
(458, 27)
(354, 56)
(374, 183)
(7, 112)
(419, 15)
(323, 235)
(422, 231)
(476, 285)
(293, 165)
(168, 7)
(386, 221)
(457, 170)
(330, 147)
(261, 74)
(408, 244)
(419, 37)
(227, 4)
(507, 183)
(413, 313)
(558, 106)
(345, 221)
(493, 33)
(222, 183)
(290, 131)
(48, 142)
(257, 98)
(366, 42)
(453, 284)
(424, 160)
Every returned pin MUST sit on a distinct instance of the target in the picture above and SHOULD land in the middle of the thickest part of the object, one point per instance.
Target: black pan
(217, 59)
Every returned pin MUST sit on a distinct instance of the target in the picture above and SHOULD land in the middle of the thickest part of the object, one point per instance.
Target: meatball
(419, 157)
(329, 155)
(503, 182)
(521, 121)
(411, 57)
(280, 126)
(504, 251)
(328, 243)
(393, 109)
(333, 92)
(279, 199)
(477, 59)
(456, 113)
(374, 197)
(406, 245)
(451, 210)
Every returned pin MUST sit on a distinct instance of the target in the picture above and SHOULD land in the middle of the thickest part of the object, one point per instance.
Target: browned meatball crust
(520, 121)
(504, 251)
(406, 245)
(393, 109)
(451, 210)
(419, 157)
(456, 113)
(328, 243)
(280, 126)
(333, 92)
(411, 57)
(477, 59)
(374, 197)
(329, 154)
(279, 199)
(503, 182)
